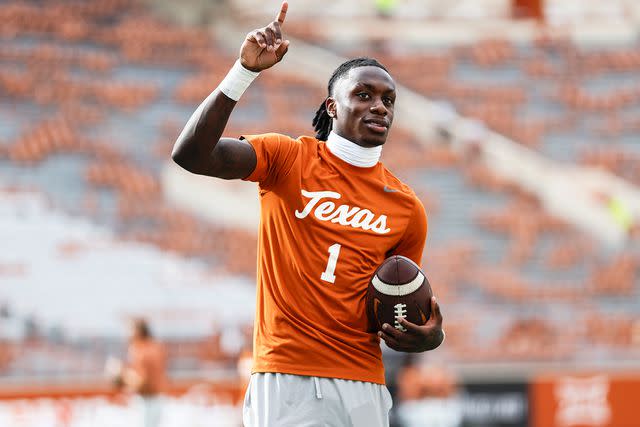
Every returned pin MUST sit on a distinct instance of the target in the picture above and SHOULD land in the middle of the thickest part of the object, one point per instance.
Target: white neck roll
(352, 153)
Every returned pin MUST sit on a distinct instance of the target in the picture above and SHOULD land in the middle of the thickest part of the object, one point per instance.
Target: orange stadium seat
(539, 94)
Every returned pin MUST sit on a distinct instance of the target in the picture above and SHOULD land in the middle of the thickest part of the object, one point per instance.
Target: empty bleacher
(95, 93)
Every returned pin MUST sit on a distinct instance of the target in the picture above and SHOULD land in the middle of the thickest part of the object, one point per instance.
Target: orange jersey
(325, 227)
(148, 359)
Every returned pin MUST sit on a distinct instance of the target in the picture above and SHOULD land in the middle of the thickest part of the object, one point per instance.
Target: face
(362, 105)
(135, 330)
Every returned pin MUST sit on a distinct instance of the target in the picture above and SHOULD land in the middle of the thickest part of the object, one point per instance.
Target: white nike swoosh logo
(389, 190)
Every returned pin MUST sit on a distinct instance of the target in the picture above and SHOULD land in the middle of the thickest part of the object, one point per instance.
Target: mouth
(377, 125)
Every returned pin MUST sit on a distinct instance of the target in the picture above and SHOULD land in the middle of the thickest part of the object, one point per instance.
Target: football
(398, 288)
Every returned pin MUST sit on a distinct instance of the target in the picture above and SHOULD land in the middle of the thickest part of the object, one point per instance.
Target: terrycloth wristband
(237, 81)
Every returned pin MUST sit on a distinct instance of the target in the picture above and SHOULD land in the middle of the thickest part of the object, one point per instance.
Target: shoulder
(395, 183)
(308, 141)
(282, 139)
(269, 136)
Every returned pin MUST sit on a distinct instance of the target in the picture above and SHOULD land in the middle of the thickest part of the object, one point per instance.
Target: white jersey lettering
(363, 219)
(355, 217)
(324, 209)
(342, 214)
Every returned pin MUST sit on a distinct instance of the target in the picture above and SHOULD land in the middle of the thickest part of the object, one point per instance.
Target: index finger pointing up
(283, 12)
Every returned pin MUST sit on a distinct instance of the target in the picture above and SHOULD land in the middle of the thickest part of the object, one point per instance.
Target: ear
(330, 104)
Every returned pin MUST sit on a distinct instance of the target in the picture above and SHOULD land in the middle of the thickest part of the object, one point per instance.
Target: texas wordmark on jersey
(355, 216)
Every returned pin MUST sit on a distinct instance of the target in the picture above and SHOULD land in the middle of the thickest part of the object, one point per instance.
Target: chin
(374, 141)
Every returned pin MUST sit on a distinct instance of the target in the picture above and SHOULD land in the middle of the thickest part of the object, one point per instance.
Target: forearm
(202, 132)
(194, 147)
(233, 158)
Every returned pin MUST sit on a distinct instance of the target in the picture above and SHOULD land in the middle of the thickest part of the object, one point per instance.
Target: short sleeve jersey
(325, 227)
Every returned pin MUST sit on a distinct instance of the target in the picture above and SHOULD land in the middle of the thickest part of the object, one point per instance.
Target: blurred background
(517, 123)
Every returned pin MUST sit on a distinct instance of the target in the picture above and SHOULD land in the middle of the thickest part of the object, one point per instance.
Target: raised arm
(200, 148)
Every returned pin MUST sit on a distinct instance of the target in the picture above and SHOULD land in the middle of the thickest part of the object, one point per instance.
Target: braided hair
(322, 122)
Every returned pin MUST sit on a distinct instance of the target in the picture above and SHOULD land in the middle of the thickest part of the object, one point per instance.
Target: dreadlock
(322, 123)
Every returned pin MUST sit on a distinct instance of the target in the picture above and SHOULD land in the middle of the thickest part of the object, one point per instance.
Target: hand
(417, 338)
(113, 367)
(265, 47)
(113, 370)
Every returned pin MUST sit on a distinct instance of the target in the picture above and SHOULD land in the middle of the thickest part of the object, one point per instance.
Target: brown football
(398, 288)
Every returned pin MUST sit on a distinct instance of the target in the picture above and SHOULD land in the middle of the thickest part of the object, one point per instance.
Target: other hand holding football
(417, 338)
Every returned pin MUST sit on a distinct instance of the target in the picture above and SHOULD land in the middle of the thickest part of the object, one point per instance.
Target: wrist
(435, 340)
(237, 81)
(440, 339)
(248, 68)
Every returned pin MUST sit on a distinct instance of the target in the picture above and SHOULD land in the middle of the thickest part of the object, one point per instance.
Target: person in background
(386, 8)
(621, 213)
(427, 391)
(144, 374)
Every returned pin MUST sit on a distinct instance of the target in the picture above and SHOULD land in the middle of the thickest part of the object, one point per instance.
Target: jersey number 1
(334, 252)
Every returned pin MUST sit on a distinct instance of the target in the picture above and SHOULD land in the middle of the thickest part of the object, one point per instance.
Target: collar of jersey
(352, 153)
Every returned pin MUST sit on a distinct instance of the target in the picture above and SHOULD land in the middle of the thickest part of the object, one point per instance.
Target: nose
(378, 107)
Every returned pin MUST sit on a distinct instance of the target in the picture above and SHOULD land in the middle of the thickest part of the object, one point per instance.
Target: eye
(388, 101)
(362, 95)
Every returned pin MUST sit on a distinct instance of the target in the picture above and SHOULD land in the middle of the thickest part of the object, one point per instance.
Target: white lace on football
(400, 311)
(352, 153)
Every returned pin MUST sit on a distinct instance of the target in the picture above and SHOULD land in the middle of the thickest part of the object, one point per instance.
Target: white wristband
(237, 81)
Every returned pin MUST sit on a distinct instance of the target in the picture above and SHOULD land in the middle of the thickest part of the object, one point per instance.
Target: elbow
(179, 157)
(175, 156)
(179, 161)
(190, 160)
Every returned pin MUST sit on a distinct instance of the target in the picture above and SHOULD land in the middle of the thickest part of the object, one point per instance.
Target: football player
(330, 214)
